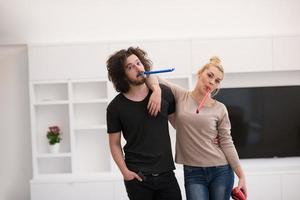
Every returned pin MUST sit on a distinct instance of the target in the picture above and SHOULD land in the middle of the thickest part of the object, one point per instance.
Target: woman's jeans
(208, 183)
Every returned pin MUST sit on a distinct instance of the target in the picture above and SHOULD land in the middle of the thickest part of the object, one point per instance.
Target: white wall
(15, 137)
(101, 20)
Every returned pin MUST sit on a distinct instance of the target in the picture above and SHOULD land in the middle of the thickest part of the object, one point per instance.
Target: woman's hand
(216, 141)
(242, 186)
(154, 103)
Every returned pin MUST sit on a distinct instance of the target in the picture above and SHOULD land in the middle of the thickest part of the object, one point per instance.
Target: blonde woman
(208, 168)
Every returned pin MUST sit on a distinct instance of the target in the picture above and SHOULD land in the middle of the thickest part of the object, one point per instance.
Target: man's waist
(148, 168)
(153, 174)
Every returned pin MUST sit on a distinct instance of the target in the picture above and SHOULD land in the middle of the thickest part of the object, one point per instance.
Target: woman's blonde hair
(214, 61)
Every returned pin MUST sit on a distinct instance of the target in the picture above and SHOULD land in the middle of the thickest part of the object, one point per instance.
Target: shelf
(52, 115)
(90, 101)
(91, 127)
(91, 152)
(59, 165)
(71, 178)
(89, 91)
(53, 155)
(50, 92)
(78, 108)
(45, 103)
(89, 114)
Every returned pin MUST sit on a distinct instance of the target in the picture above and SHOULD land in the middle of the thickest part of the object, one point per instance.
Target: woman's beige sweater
(195, 132)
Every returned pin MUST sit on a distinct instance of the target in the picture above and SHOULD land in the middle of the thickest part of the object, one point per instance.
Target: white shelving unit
(78, 107)
(69, 88)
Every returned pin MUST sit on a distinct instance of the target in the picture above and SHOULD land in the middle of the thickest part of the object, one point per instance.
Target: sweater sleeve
(225, 140)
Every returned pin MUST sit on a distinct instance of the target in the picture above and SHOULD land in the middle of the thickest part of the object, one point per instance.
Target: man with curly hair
(147, 163)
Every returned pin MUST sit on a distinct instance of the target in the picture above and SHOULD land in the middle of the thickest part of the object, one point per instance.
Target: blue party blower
(156, 71)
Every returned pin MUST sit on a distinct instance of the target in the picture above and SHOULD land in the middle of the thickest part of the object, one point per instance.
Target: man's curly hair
(116, 67)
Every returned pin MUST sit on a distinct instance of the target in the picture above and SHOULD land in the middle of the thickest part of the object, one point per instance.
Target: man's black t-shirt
(148, 146)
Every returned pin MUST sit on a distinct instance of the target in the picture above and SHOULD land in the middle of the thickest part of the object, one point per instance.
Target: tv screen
(265, 121)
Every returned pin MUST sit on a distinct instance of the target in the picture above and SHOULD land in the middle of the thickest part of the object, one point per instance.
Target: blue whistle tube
(158, 71)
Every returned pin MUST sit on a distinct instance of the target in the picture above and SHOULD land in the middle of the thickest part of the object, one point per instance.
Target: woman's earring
(215, 92)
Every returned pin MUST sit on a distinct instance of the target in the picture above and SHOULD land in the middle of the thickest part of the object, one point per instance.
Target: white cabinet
(67, 61)
(237, 55)
(69, 88)
(290, 184)
(120, 191)
(264, 186)
(163, 53)
(79, 108)
(273, 184)
(78, 190)
(272, 178)
(286, 53)
(64, 93)
(91, 151)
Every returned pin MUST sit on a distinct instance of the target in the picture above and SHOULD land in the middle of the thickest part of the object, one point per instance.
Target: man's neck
(137, 92)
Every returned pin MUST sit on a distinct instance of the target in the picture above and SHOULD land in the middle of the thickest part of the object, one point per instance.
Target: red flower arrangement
(54, 135)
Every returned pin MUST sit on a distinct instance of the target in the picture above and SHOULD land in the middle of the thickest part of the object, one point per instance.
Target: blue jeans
(208, 183)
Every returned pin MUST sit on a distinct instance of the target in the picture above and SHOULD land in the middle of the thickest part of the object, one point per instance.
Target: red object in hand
(237, 194)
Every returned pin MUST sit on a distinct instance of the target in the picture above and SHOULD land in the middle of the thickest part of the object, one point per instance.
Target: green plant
(54, 135)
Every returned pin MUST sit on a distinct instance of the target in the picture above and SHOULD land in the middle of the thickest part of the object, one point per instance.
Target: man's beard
(137, 82)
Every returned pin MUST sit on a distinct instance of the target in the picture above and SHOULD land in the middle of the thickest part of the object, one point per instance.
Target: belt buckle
(155, 174)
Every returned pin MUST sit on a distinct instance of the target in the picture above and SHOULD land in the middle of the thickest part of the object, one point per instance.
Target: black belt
(152, 174)
(143, 175)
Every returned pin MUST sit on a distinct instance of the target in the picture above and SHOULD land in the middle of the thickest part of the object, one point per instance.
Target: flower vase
(54, 148)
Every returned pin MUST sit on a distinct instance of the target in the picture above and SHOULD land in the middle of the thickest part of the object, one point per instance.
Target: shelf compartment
(93, 90)
(90, 101)
(92, 127)
(61, 165)
(44, 103)
(47, 93)
(53, 155)
(181, 81)
(52, 115)
(86, 115)
(92, 153)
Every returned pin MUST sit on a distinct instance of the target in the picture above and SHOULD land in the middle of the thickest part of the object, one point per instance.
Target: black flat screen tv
(265, 121)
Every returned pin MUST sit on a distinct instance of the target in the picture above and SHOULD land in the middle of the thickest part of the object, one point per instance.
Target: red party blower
(203, 101)
(237, 194)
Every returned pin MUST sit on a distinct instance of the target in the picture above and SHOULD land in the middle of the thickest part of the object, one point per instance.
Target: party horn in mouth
(156, 71)
(203, 101)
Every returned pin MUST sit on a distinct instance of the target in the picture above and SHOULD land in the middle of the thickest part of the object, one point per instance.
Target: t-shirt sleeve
(169, 97)
(112, 120)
